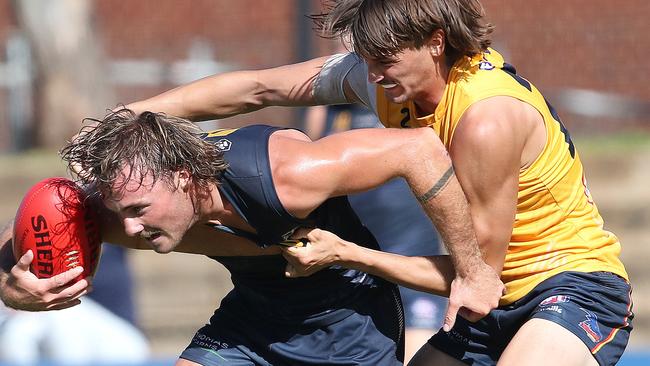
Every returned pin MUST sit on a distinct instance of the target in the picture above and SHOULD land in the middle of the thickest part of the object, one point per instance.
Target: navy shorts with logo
(371, 334)
(595, 306)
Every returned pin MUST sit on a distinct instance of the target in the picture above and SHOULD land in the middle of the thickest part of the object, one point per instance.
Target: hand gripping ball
(55, 222)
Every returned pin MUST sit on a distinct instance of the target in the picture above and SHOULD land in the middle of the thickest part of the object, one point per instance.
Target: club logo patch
(223, 145)
(555, 300)
(590, 326)
(485, 65)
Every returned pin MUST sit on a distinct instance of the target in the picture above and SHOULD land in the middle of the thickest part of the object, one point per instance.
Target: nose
(132, 227)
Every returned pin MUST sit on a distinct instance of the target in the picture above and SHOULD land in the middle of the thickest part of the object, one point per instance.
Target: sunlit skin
(159, 213)
(413, 74)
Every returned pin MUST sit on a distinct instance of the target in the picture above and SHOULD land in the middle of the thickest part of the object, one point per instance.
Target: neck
(427, 101)
(224, 213)
(211, 205)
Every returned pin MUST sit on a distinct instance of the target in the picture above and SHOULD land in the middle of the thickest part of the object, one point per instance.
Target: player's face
(408, 75)
(155, 212)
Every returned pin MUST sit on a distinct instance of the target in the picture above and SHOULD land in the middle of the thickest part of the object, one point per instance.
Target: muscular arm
(359, 160)
(238, 92)
(306, 174)
(487, 153)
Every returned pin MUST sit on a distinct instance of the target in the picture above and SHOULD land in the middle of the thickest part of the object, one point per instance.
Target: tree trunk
(71, 75)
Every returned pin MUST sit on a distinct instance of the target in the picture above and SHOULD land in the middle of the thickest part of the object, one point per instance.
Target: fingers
(64, 278)
(65, 305)
(68, 296)
(69, 289)
(25, 261)
(450, 316)
(289, 270)
(302, 232)
(292, 272)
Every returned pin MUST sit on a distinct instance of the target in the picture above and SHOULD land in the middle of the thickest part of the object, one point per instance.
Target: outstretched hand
(22, 290)
(473, 296)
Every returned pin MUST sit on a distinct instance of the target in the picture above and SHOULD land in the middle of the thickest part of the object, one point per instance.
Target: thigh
(542, 342)
(414, 339)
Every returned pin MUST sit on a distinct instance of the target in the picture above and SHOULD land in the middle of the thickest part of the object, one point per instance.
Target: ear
(184, 180)
(436, 43)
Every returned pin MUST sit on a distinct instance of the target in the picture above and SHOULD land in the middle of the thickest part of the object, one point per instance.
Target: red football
(62, 232)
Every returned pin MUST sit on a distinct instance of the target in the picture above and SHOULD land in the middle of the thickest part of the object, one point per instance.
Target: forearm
(434, 183)
(238, 92)
(449, 211)
(431, 274)
(216, 96)
(6, 253)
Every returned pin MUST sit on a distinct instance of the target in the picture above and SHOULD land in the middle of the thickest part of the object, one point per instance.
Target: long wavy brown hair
(147, 143)
(380, 29)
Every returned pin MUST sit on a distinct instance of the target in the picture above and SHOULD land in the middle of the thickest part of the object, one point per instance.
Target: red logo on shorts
(555, 300)
(590, 326)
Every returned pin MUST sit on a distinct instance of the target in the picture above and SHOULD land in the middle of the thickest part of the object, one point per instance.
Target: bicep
(486, 159)
(352, 161)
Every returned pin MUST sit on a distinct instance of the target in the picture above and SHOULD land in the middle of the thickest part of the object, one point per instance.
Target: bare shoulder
(500, 124)
(492, 121)
(290, 133)
(285, 148)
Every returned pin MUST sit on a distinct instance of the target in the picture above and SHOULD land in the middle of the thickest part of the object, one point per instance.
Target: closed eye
(134, 211)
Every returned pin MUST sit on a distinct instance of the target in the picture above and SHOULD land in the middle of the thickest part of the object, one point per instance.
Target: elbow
(493, 247)
(425, 149)
(429, 143)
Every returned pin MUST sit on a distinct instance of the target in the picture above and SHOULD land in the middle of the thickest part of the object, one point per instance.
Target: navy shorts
(595, 306)
(371, 334)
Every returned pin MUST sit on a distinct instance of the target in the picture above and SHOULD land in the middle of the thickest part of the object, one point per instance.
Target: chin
(399, 99)
(163, 248)
(394, 97)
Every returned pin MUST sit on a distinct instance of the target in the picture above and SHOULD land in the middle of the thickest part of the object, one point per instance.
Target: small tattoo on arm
(439, 186)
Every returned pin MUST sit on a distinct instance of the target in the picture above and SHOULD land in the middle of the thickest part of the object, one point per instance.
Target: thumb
(289, 271)
(450, 316)
(25, 261)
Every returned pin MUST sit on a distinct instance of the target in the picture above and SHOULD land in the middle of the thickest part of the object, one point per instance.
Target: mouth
(387, 85)
(151, 236)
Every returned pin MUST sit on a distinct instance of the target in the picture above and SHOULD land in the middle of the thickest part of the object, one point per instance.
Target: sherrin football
(54, 222)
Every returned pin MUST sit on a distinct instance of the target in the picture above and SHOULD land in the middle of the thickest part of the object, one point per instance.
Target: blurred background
(64, 60)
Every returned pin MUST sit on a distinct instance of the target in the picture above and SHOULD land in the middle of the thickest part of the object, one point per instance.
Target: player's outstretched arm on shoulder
(21, 289)
(323, 249)
(237, 92)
